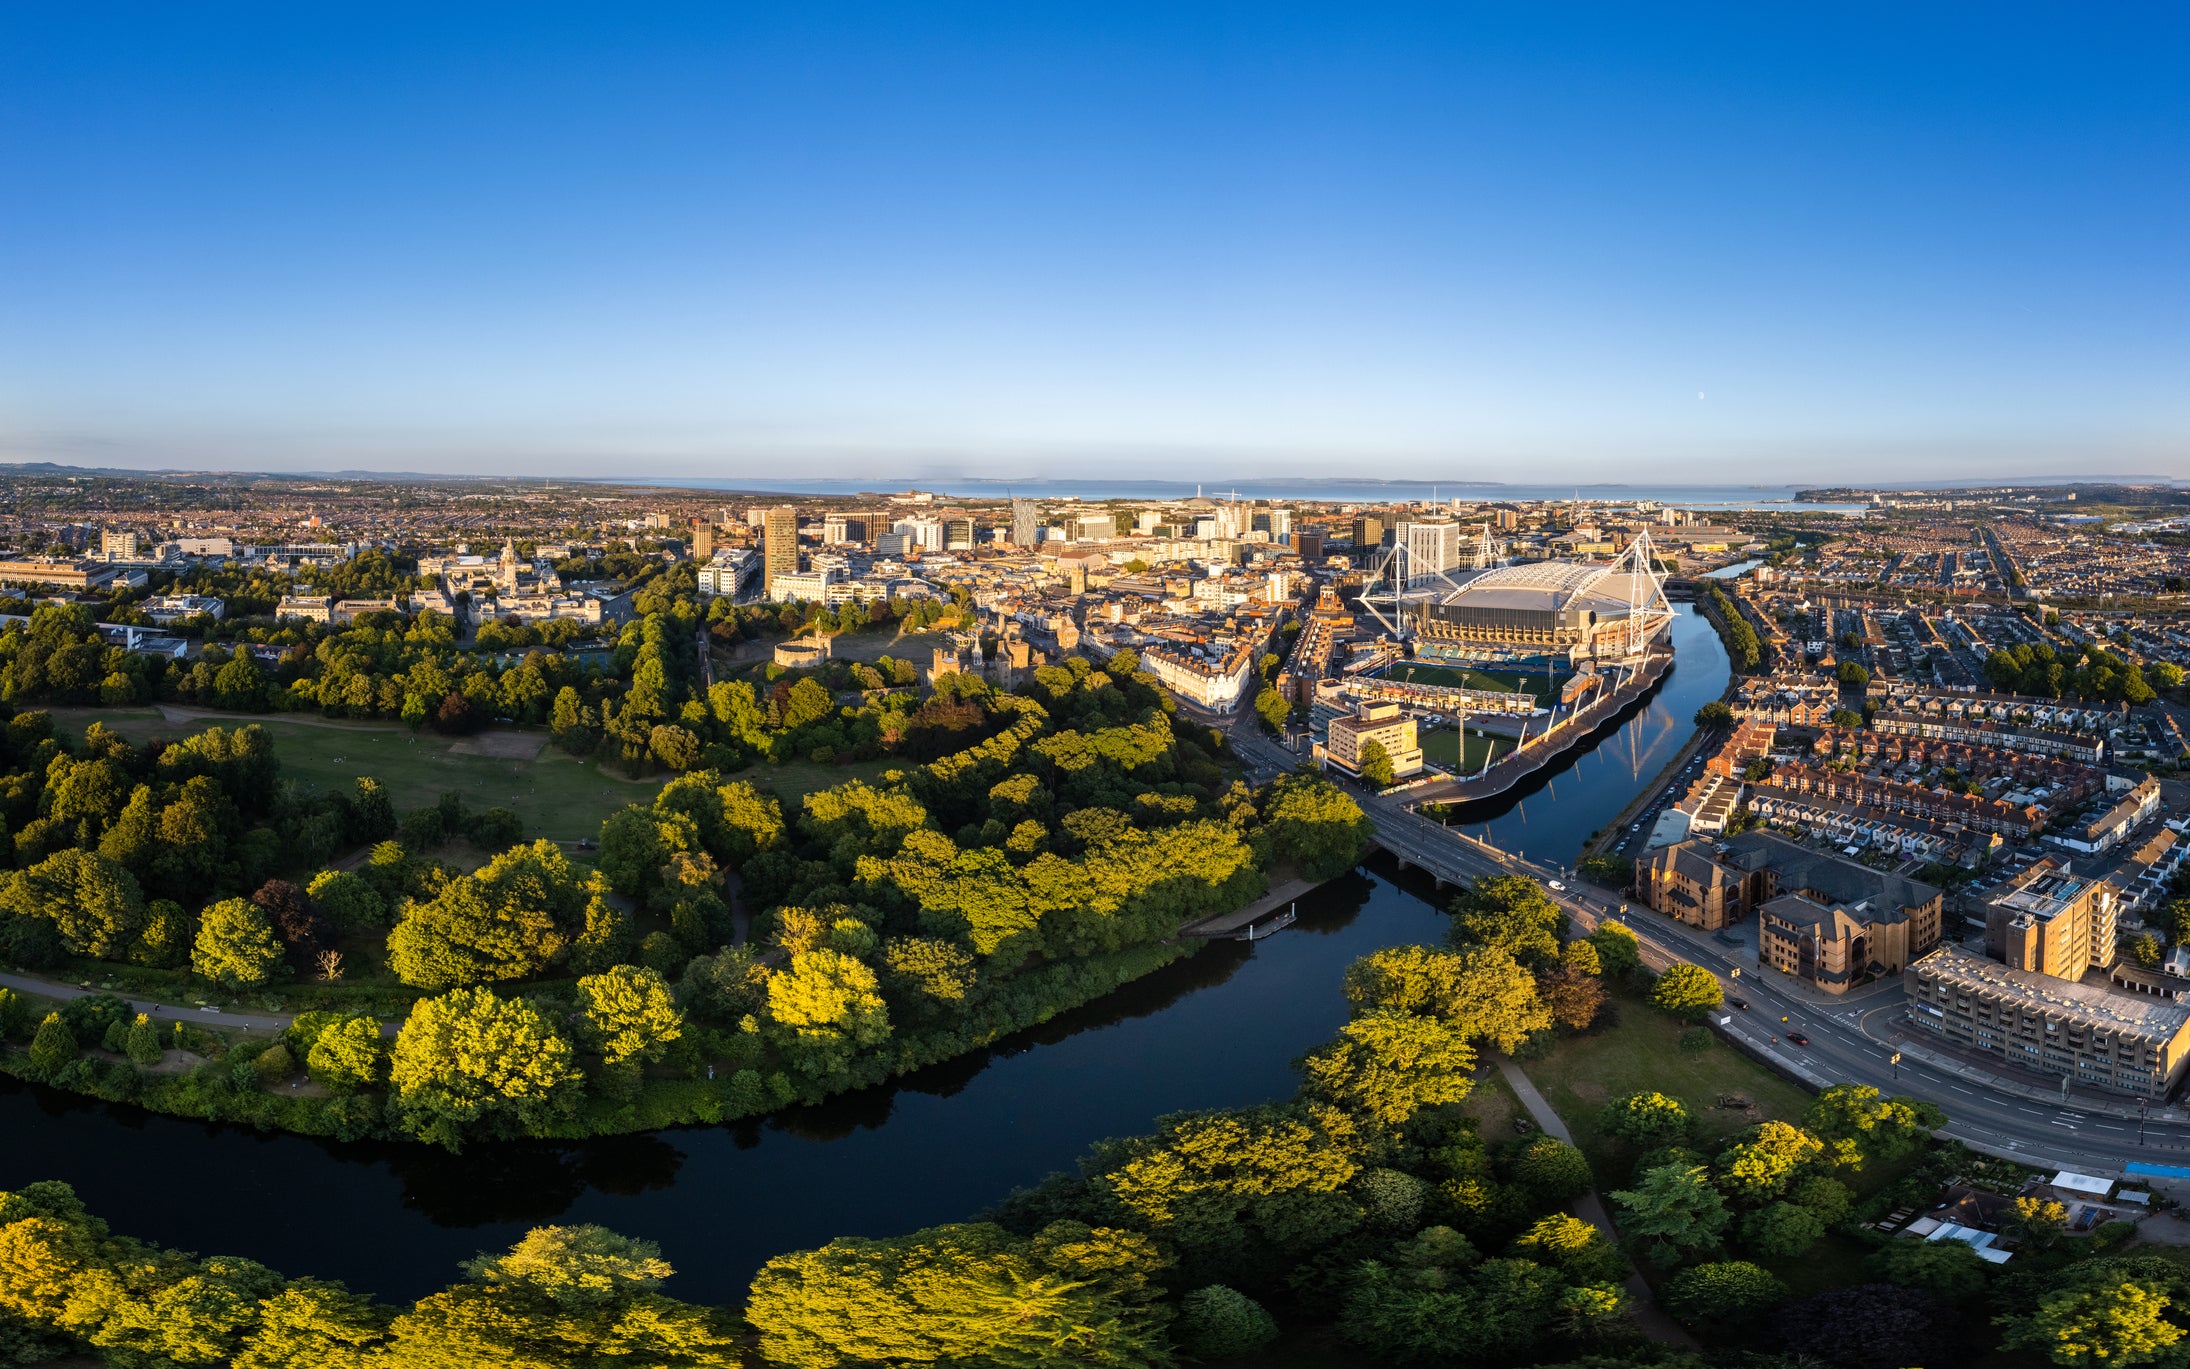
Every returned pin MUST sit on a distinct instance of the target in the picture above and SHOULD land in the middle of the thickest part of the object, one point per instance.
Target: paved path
(1650, 1317)
(212, 1017)
(1229, 924)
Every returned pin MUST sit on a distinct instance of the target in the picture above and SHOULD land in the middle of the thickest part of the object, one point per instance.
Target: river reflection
(1220, 1029)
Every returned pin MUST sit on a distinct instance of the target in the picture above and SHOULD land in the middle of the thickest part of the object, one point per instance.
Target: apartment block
(779, 546)
(2126, 1043)
(1383, 722)
(2051, 921)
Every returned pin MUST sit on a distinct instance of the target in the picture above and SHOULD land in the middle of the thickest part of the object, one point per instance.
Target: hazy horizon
(1702, 245)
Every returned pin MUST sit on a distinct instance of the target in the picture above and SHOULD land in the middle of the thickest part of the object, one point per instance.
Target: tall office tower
(1281, 524)
(959, 534)
(1432, 548)
(703, 539)
(1368, 532)
(1026, 524)
(1309, 543)
(778, 546)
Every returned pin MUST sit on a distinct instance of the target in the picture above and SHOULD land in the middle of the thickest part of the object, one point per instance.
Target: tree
(1871, 1326)
(1551, 1170)
(1580, 956)
(1272, 708)
(1314, 824)
(1375, 764)
(469, 1063)
(1687, 991)
(2121, 1322)
(958, 1294)
(824, 1005)
(310, 1322)
(53, 1047)
(350, 901)
(145, 1044)
(1781, 1231)
(1847, 719)
(1388, 1064)
(2037, 1222)
(348, 1054)
(1572, 1246)
(512, 919)
(236, 947)
(1674, 1209)
(1484, 990)
(93, 902)
(629, 1014)
(1714, 714)
(562, 1298)
(1948, 1270)
(1572, 996)
(1761, 1165)
(1511, 912)
(1853, 675)
(1217, 1322)
(295, 918)
(1243, 1190)
(1646, 1120)
(1619, 952)
(1874, 1125)
(1726, 1295)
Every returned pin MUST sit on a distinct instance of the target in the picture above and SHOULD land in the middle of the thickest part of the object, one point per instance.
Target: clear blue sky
(1535, 242)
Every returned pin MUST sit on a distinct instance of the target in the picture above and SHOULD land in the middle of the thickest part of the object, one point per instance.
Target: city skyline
(1705, 247)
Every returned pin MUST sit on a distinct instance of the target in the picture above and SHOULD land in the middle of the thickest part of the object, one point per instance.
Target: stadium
(1538, 616)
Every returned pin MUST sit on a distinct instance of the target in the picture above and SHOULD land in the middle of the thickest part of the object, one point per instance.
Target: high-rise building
(1309, 543)
(923, 532)
(1026, 524)
(1368, 532)
(1432, 548)
(703, 539)
(958, 534)
(123, 544)
(779, 546)
(2051, 921)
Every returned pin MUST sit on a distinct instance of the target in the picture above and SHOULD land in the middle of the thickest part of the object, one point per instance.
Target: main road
(1851, 1039)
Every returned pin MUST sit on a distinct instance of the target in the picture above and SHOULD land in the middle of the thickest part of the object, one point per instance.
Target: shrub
(52, 1048)
(1696, 1040)
(1727, 1295)
(1217, 1322)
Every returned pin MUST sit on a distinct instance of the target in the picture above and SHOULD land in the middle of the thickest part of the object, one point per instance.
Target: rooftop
(2048, 995)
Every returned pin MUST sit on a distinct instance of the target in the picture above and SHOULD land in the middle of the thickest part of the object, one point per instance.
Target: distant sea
(1299, 491)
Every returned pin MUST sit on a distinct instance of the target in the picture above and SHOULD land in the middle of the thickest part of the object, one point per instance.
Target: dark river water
(1217, 1030)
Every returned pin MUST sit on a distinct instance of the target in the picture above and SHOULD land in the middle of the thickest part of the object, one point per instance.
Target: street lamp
(1895, 1059)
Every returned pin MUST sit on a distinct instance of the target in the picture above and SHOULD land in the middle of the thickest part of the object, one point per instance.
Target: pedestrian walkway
(1650, 1317)
(212, 1017)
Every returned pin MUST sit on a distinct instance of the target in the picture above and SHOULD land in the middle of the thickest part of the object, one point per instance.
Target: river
(1218, 1030)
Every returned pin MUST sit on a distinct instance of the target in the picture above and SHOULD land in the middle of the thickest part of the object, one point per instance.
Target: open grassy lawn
(1640, 1051)
(1443, 747)
(794, 780)
(558, 796)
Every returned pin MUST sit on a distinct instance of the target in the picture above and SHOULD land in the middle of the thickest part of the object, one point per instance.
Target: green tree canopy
(511, 919)
(1687, 991)
(1387, 1064)
(469, 1063)
(1513, 913)
(236, 946)
(1675, 1209)
(629, 1014)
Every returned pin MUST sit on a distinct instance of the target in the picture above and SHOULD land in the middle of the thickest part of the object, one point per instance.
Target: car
(1798, 1038)
(1636, 828)
(1741, 1003)
(1555, 886)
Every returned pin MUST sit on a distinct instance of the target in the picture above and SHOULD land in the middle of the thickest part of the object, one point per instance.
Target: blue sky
(1524, 242)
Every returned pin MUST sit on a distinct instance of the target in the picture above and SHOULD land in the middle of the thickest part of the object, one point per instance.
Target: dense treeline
(1366, 1211)
(894, 923)
(1742, 647)
(2090, 673)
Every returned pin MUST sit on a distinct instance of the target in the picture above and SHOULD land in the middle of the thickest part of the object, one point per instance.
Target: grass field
(1642, 1051)
(1442, 747)
(558, 796)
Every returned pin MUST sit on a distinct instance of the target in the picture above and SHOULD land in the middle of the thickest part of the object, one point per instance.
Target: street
(1848, 1038)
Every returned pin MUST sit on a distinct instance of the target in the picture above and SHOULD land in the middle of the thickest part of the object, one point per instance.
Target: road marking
(2032, 1111)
